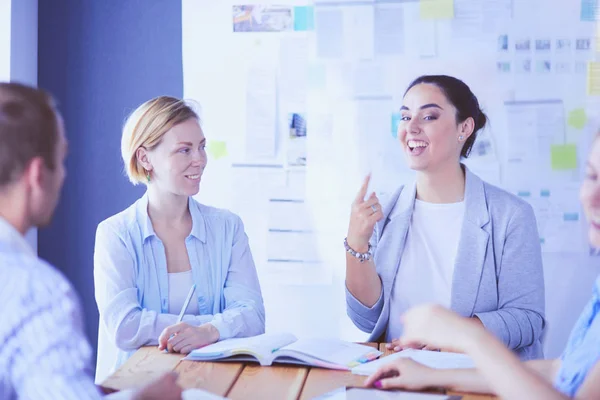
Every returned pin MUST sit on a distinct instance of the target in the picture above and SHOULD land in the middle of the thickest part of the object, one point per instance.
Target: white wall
(5, 25)
(215, 74)
(23, 41)
(18, 51)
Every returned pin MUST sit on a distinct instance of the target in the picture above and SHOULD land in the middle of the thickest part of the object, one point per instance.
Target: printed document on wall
(559, 217)
(293, 72)
(532, 128)
(261, 114)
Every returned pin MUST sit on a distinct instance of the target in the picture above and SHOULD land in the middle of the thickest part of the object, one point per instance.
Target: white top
(179, 287)
(427, 264)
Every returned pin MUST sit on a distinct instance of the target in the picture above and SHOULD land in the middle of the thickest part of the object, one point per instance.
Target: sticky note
(304, 19)
(564, 157)
(573, 216)
(523, 193)
(589, 10)
(395, 122)
(593, 78)
(437, 9)
(217, 149)
(577, 118)
(544, 193)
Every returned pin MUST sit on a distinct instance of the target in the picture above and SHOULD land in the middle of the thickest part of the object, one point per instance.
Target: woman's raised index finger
(360, 197)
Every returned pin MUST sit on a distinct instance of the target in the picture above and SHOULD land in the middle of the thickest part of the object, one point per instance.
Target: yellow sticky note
(577, 118)
(593, 78)
(217, 149)
(564, 157)
(437, 9)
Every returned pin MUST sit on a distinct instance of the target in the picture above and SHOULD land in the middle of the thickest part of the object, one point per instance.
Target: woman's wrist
(211, 331)
(360, 246)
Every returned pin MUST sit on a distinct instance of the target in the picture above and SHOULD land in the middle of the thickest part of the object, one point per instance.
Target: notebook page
(433, 359)
(332, 350)
(263, 344)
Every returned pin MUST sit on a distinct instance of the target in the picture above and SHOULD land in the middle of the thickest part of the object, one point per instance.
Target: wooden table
(238, 380)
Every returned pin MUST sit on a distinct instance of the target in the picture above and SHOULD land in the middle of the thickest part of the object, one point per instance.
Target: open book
(286, 348)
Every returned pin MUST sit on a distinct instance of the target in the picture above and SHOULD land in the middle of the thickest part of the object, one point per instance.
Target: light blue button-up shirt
(43, 350)
(131, 281)
(583, 348)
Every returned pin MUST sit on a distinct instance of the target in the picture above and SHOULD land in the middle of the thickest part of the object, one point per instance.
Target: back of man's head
(29, 128)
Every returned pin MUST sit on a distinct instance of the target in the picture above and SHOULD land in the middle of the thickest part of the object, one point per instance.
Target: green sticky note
(564, 157)
(577, 118)
(217, 149)
(593, 79)
(436, 9)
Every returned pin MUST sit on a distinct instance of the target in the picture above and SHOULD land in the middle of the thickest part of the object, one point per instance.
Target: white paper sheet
(358, 32)
(388, 30)
(329, 26)
(432, 359)
(293, 73)
(374, 394)
(292, 245)
(427, 39)
(261, 116)
(532, 128)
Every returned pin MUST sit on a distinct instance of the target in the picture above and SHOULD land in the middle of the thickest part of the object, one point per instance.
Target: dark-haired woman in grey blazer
(450, 238)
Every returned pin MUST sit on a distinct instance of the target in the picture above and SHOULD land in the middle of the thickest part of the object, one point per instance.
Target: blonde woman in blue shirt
(148, 256)
(576, 374)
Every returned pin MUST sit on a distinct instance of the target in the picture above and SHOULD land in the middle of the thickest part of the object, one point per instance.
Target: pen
(184, 308)
(186, 304)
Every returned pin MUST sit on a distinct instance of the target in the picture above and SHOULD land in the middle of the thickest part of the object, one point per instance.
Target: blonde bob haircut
(146, 126)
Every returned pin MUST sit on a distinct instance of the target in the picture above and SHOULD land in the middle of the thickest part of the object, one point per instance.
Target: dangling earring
(148, 176)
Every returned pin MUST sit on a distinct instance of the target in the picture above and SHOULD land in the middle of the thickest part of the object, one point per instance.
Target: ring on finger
(374, 208)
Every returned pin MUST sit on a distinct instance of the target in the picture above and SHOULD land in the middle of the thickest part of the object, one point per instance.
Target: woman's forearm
(470, 380)
(506, 376)
(362, 280)
(547, 369)
(462, 380)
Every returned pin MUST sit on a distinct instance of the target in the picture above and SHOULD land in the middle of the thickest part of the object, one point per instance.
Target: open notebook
(286, 348)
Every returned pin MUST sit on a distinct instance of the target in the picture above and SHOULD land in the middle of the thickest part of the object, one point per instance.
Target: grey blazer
(498, 273)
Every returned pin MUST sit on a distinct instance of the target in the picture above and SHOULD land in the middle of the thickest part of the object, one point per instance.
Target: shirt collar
(11, 237)
(198, 224)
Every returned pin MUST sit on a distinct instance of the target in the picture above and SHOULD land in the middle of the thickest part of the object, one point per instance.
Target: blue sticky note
(589, 10)
(395, 122)
(571, 216)
(524, 193)
(545, 193)
(304, 18)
